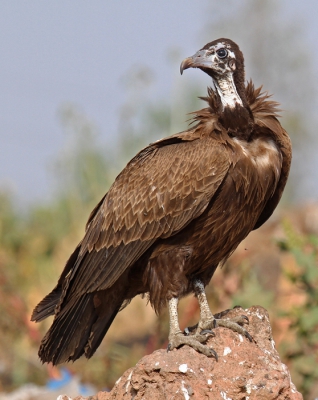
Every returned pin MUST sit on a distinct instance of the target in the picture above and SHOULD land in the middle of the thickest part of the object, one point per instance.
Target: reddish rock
(244, 371)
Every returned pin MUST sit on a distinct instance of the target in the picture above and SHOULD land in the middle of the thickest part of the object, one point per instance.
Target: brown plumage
(179, 208)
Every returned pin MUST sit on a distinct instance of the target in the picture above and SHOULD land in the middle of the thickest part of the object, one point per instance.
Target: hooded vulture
(178, 209)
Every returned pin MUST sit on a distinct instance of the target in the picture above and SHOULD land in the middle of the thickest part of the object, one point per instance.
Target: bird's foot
(196, 341)
(236, 324)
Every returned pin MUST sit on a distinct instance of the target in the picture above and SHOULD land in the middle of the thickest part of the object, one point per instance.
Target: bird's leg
(173, 317)
(178, 339)
(207, 319)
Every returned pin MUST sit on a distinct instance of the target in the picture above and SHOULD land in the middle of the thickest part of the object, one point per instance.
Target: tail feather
(77, 329)
(98, 332)
(46, 306)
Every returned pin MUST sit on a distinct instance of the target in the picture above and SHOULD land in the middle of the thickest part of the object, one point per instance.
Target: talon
(195, 341)
(207, 332)
(215, 354)
(249, 337)
(169, 347)
(246, 318)
(222, 313)
(189, 330)
(215, 324)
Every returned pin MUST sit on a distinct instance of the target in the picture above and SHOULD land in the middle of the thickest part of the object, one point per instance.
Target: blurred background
(84, 86)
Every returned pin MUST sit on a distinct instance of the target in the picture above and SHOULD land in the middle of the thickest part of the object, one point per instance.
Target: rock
(244, 371)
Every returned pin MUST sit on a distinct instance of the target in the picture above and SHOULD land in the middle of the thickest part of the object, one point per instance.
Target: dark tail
(46, 307)
(81, 319)
(79, 327)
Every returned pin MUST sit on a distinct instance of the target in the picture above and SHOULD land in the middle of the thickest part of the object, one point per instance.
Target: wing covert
(158, 193)
(162, 189)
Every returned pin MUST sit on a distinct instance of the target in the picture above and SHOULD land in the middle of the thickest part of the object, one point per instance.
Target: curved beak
(201, 58)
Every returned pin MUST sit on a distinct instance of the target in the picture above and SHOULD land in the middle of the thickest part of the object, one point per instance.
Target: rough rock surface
(244, 370)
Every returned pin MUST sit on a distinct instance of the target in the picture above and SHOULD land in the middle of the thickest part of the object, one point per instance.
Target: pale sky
(78, 51)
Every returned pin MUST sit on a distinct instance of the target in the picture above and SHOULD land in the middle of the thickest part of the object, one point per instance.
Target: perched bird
(179, 208)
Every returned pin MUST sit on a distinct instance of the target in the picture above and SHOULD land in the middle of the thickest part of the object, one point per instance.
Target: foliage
(302, 354)
(35, 246)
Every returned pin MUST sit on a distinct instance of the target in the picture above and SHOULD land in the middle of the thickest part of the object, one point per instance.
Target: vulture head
(223, 61)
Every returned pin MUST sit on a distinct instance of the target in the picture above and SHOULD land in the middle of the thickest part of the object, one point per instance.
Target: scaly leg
(177, 338)
(208, 321)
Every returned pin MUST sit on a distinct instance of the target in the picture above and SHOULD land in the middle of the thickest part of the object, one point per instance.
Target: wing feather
(158, 193)
(178, 179)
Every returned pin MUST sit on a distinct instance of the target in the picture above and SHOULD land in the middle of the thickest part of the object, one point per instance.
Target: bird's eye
(222, 53)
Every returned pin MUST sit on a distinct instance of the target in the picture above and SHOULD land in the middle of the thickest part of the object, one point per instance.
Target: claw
(169, 348)
(207, 332)
(240, 320)
(215, 354)
(189, 330)
(214, 323)
(222, 313)
(197, 342)
(249, 337)
(246, 318)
